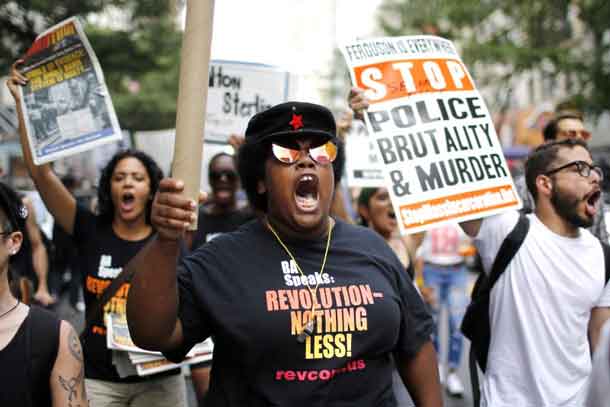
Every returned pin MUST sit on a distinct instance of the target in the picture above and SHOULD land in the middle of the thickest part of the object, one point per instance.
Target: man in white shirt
(553, 292)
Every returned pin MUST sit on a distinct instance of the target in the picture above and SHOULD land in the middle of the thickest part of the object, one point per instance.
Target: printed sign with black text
(442, 159)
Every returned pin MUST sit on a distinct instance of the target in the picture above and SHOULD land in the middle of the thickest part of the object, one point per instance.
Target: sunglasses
(324, 154)
(583, 134)
(228, 174)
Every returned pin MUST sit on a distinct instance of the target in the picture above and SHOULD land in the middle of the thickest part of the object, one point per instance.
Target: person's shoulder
(245, 213)
(243, 235)
(589, 239)
(359, 236)
(84, 214)
(41, 314)
(502, 219)
(498, 226)
(45, 332)
(351, 229)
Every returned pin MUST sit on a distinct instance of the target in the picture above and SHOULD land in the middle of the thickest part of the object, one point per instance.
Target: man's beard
(567, 208)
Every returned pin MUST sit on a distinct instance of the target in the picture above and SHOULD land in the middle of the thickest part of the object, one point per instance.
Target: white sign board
(237, 91)
(362, 164)
(443, 160)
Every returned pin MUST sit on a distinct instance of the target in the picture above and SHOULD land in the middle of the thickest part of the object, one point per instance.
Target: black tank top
(27, 361)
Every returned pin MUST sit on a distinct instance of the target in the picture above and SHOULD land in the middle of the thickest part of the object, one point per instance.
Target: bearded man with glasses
(305, 309)
(547, 308)
(565, 125)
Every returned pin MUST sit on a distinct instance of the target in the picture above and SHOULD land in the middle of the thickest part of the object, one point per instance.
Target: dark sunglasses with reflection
(229, 175)
(323, 154)
(582, 167)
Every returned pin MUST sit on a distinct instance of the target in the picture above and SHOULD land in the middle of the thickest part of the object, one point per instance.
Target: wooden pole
(193, 96)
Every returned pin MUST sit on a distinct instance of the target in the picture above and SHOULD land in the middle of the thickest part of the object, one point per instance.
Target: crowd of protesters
(309, 292)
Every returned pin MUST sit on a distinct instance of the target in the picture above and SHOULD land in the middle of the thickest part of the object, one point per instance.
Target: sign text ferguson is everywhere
(442, 158)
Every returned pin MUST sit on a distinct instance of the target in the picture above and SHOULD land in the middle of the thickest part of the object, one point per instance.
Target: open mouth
(591, 202)
(127, 201)
(306, 193)
(223, 195)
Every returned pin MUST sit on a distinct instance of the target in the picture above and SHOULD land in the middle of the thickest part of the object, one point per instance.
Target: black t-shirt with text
(243, 289)
(102, 255)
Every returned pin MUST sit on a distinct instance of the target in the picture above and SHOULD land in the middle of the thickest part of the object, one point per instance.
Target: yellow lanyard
(309, 327)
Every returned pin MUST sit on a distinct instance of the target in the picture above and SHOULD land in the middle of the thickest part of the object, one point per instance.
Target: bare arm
(471, 227)
(40, 258)
(599, 315)
(56, 197)
(420, 376)
(154, 289)
(68, 374)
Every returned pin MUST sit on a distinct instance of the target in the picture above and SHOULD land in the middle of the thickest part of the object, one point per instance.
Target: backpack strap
(508, 249)
(511, 244)
(42, 347)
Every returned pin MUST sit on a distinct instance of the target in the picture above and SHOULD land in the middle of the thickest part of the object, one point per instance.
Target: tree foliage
(140, 58)
(569, 38)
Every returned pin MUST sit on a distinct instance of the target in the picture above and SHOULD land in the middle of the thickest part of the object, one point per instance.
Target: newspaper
(129, 359)
(66, 104)
(148, 368)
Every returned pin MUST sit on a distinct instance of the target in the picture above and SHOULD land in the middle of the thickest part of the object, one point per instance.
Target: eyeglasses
(583, 134)
(230, 175)
(324, 154)
(583, 168)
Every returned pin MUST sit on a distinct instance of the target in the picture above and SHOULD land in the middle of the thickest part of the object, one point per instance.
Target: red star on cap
(297, 121)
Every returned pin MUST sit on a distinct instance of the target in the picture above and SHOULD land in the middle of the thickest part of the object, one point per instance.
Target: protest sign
(363, 166)
(239, 90)
(65, 103)
(442, 158)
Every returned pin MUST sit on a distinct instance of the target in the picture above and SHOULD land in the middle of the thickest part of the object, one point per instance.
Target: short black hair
(216, 157)
(213, 160)
(13, 217)
(251, 161)
(104, 197)
(551, 129)
(13, 212)
(539, 161)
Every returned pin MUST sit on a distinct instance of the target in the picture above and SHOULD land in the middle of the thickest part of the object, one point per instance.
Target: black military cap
(291, 119)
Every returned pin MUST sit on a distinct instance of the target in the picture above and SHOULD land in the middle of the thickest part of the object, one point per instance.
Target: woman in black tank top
(40, 356)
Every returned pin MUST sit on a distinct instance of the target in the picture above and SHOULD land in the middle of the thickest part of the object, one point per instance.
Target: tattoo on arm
(74, 346)
(73, 386)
